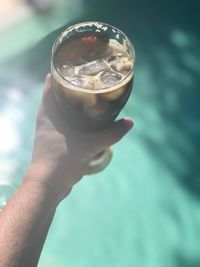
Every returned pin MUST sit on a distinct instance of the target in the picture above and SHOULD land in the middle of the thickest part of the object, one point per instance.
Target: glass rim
(79, 88)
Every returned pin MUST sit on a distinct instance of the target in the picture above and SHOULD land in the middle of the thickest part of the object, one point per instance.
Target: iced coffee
(92, 75)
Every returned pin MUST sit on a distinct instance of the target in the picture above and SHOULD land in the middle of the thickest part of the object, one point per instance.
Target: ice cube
(77, 81)
(122, 64)
(110, 78)
(93, 67)
(67, 70)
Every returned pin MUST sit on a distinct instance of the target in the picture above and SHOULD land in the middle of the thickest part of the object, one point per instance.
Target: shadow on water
(167, 41)
(173, 49)
(190, 262)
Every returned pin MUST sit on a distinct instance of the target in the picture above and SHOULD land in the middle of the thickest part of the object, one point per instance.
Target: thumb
(113, 133)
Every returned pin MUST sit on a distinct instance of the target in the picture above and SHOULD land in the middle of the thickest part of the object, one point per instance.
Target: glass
(92, 75)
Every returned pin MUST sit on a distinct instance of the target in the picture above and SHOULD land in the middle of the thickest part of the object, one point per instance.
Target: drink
(92, 74)
(90, 79)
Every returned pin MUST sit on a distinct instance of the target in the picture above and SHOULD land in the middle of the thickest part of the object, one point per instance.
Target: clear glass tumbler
(92, 76)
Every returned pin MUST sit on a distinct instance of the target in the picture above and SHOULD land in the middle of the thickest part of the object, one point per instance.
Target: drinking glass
(84, 51)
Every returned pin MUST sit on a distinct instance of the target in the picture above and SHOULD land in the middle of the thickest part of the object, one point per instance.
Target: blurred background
(144, 209)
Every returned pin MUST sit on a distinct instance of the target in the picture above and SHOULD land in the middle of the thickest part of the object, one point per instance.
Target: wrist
(41, 178)
(43, 195)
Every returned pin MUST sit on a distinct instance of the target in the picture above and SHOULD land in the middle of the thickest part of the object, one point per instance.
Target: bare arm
(24, 225)
(60, 159)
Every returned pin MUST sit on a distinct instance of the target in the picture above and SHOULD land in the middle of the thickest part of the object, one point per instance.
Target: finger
(47, 85)
(113, 134)
(45, 95)
(49, 106)
(49, 113)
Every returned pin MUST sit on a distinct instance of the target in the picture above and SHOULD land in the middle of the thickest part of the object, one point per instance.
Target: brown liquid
(91, 81)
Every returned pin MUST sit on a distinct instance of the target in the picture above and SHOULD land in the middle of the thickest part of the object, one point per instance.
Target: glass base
(100, 161)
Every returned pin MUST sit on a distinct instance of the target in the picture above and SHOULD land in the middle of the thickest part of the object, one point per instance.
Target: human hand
(61, 154)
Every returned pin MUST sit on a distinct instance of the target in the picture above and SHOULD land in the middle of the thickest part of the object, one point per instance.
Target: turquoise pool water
(144, 209)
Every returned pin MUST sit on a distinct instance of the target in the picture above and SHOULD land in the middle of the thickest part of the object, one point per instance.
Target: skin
(60, 158)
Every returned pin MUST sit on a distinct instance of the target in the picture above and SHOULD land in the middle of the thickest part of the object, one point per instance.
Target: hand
(61, 154)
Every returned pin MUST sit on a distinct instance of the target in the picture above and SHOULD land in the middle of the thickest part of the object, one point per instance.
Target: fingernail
(128, 123)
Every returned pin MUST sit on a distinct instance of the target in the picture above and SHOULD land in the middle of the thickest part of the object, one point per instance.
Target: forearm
(24, 224)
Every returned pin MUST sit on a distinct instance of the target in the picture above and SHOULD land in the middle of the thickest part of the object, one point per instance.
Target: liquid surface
(93, 62)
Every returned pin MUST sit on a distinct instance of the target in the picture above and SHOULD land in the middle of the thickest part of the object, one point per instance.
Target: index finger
(49, 112)
(45, 96)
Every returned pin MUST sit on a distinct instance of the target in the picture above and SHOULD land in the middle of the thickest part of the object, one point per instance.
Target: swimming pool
(144, 209)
